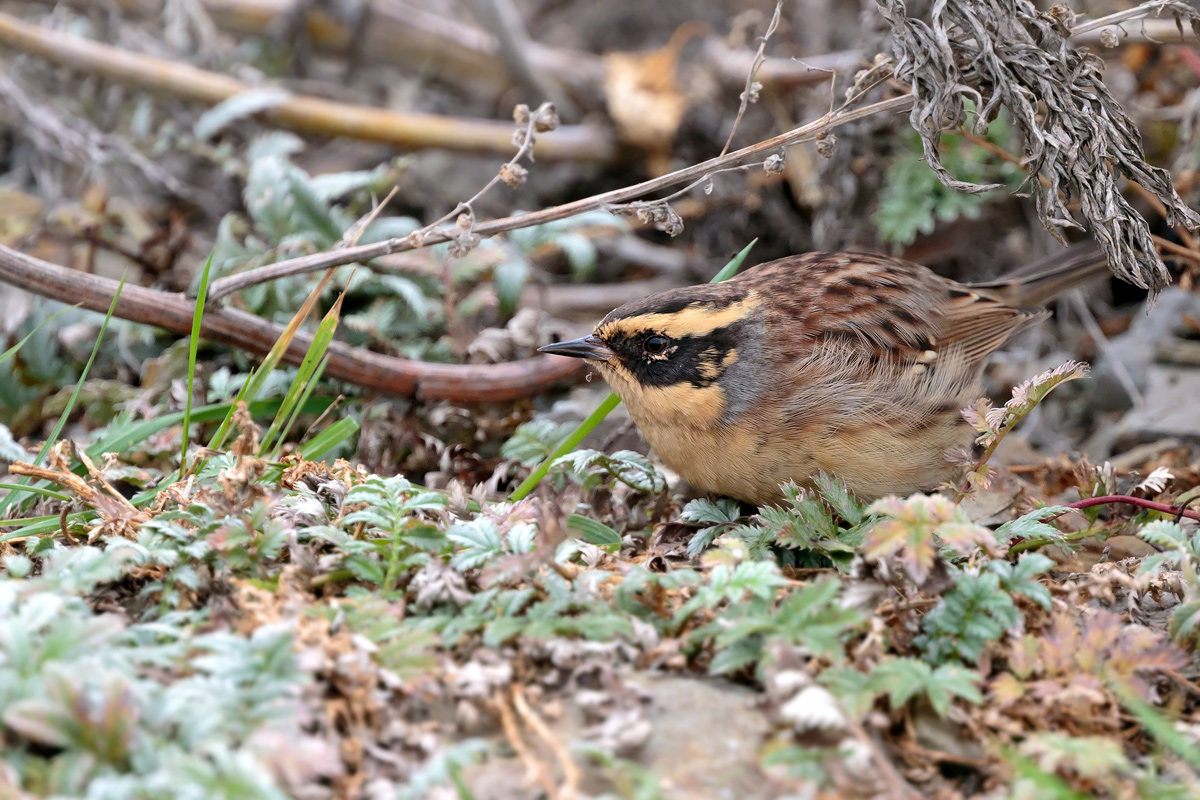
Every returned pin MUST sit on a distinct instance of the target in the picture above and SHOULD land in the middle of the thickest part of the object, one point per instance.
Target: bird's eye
(656, 345)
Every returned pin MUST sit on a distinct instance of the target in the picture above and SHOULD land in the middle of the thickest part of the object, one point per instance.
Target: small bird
(854, 364)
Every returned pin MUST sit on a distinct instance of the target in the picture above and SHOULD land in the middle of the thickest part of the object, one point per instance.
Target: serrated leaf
(1032, 525)
(706, 512)
(839, 498)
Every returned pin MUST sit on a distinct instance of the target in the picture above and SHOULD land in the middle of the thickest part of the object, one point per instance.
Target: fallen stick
(464, 383)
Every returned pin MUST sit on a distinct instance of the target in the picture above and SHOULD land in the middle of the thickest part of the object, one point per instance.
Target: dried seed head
(513, 174)
(463, 243)
(826, 145)
(521, 114)
(668, 220)
(1108, 38)
(752, 95)
(519, 136)
(547, 118)
(774, 165)
(1062, 17)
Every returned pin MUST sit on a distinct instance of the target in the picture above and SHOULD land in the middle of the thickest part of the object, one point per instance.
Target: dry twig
(299, 112)
(533, 767)
(571, 776)
(318, 261)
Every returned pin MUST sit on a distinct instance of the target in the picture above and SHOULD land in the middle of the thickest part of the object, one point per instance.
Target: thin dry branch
(299, 112)
(318, 261)
(465, 383)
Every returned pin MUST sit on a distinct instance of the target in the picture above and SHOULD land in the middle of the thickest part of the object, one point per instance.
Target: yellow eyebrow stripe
(696, 321)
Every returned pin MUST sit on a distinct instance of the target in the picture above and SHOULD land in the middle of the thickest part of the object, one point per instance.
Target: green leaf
(976, 612)
(479, 542)
(12, 351)
(735, 264)
(193, 347)
(334, 435)
(839, 498)
(1020, 578)
(9, 449)
(706, 512)
(241, 105)
(314, 359)
(534, 441)
(1032, 526)
(905, 678)
(566, 446)
(594, 532)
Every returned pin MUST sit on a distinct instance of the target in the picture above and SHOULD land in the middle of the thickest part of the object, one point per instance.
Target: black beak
(588, 347)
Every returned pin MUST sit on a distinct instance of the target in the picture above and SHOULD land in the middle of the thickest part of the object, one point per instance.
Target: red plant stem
(1134, 501)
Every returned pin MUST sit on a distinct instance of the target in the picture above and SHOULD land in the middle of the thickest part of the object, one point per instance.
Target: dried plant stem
(1190, 250)
(318, 261)
(750, 93)
(1176, 511)
(512, 733)
(571, 776)
(989, 54)
(1192, 255)
(470, 57)
(299, 112)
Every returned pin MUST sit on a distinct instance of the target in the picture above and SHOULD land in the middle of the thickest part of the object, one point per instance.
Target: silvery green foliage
(590, 467)
(9, 449)
(481, 540)
(87, 713)
(999, 53)
(534, 441)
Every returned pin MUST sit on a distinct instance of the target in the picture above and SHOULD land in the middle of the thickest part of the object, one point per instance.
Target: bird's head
(689, 356)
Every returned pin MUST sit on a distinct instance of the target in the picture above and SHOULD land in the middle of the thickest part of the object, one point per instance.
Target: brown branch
(299, 112)
(318, 261)
(373, 371)
(1133, 501)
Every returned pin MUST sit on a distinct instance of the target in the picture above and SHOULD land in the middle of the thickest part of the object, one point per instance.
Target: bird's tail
(1043, 280)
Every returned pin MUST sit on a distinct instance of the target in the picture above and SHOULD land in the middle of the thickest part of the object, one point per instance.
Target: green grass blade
(121, 440)
(9, 498)
(308, 390)
(313, 359)
(258, 378)
(329, 438)
(568, 444)
(37, 526)
(193, 346)
(731, 269)
(610, 402)
(12, 351)
(38, 490)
